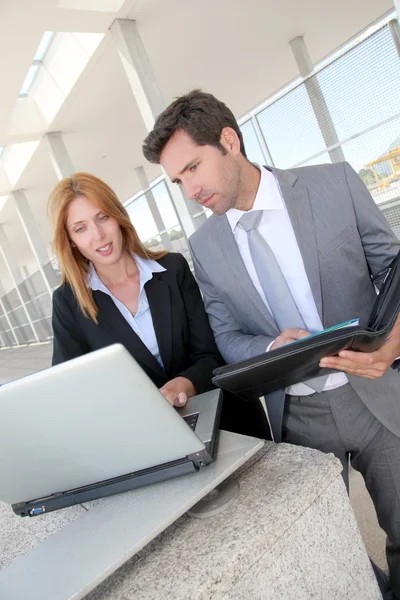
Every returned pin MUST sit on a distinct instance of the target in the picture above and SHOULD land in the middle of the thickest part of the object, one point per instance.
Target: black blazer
(184, 337)
(183, 333)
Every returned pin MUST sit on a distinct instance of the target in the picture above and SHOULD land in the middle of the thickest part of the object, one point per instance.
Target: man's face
(207, 176)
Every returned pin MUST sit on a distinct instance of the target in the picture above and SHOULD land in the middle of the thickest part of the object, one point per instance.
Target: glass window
(44, 45)
(142, 219)
(291, 129)
(164, 204)
(382, 177)
(362, 87)
(30, 76)
(321, 159)
(252, 145)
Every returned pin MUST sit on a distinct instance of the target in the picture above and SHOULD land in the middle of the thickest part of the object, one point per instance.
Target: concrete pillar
(15, 273)
(59, 155)
(316, 97)
(394, 27)
(196, 212)
(11, 328)
(149, 99)
(261, 140)
(35, 239)
(144, 184)
(32, 293)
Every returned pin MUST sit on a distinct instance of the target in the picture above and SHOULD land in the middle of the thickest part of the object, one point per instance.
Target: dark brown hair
(201, 115)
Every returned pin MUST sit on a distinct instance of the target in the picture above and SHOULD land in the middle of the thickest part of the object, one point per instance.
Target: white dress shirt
(142, 322)
(276, 228)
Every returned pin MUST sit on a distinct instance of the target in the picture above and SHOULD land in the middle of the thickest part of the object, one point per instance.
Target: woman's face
(96, 235)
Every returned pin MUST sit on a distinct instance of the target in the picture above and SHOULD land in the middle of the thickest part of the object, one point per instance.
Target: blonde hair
(74, 266)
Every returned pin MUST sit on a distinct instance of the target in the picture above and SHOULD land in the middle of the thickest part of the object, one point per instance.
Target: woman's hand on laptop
(178, 390)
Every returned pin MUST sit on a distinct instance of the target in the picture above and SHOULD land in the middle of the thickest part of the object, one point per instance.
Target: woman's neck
(119, 272)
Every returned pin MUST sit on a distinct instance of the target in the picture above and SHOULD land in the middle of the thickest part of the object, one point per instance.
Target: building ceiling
(238, 51)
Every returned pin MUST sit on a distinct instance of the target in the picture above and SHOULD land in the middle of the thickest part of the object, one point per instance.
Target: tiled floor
(18, 362)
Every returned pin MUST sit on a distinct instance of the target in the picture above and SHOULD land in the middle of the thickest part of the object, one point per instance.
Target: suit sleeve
(203, 352)
(68, 342)
(379, 242)
(233, 343)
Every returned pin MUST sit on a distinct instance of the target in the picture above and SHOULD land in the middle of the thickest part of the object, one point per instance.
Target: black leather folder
(299, 361)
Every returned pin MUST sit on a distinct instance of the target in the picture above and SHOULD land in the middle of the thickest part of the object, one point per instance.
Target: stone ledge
(290, 534)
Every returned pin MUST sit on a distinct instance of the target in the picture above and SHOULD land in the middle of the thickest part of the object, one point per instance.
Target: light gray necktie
(273, 283)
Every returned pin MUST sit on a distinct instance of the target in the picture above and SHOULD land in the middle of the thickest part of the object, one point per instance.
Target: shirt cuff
(269, 346)
(395, 364)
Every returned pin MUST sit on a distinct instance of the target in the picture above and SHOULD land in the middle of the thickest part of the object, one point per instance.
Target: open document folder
(299, 360)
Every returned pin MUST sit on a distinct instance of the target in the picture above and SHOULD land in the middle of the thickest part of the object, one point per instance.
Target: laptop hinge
(200, 459)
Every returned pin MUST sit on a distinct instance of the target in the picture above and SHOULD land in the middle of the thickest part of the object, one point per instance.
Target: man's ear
(230, 140)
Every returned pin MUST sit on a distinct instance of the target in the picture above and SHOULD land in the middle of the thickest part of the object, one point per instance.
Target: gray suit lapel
(299, 208)
(235, 263)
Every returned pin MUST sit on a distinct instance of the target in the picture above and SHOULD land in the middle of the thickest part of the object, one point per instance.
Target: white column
(2, 293)
(149, 99)
(317, 99)
(59, 155)
(15, 273)
(394, 27)
(34, 237)
(261, 140)
(31, 292)
(144, 184)
(197, 213)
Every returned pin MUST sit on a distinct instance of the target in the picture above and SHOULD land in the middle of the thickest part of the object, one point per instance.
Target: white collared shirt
(142, 322)
(276, 228)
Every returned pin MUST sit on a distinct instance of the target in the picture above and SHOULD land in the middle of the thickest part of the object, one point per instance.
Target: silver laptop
(96, 426)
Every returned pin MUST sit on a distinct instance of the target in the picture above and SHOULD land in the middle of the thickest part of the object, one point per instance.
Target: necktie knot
(251, 220)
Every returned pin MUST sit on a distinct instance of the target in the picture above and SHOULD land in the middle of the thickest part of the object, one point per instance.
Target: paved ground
(18, 362)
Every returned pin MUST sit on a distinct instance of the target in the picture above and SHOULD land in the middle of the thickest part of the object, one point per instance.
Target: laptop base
(105, 488)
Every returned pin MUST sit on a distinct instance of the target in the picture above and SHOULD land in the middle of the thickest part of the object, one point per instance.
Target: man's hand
(178, 390)
(288, 336)
(367, 364)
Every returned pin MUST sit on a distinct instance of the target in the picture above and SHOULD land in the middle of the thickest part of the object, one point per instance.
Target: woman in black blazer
(115, 290)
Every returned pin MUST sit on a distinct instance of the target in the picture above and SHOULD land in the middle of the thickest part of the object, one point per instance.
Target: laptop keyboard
(191, 420)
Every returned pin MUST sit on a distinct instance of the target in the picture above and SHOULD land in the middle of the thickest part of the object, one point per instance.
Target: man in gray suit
(287, 253)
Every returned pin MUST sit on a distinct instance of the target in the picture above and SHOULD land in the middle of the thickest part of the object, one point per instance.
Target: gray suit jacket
(346, 245)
